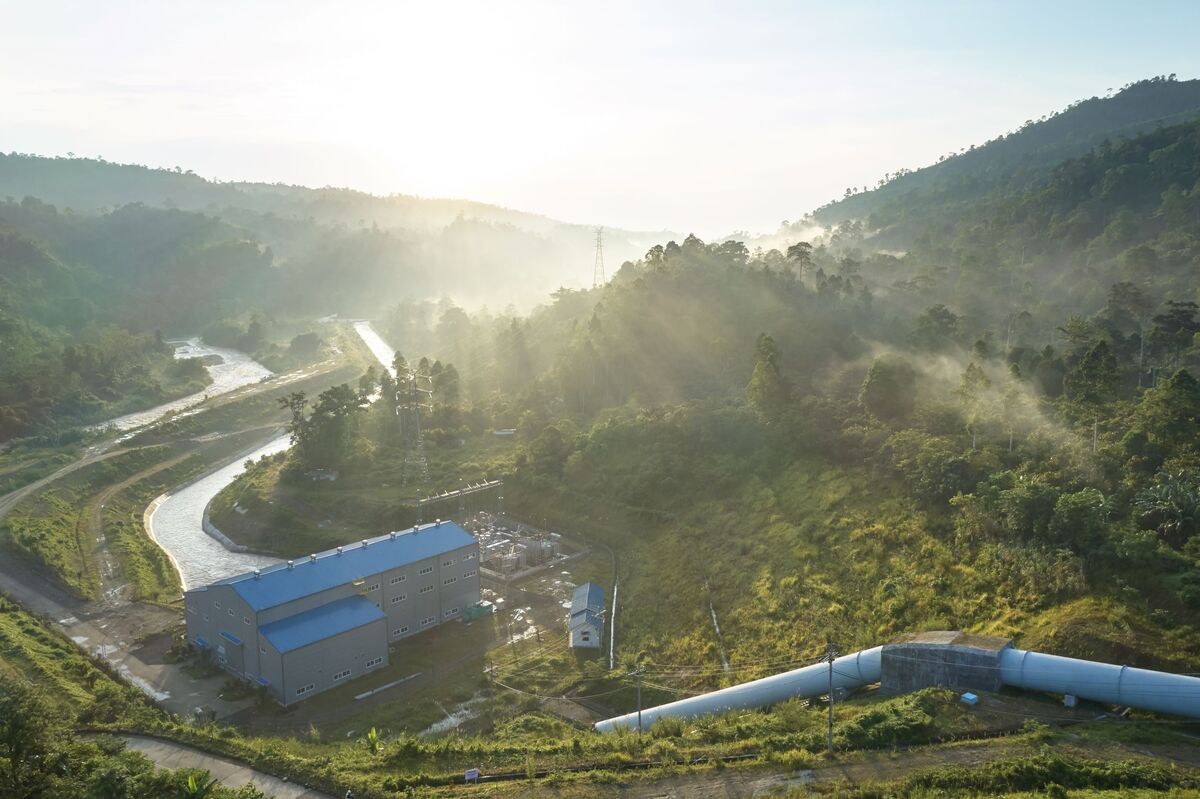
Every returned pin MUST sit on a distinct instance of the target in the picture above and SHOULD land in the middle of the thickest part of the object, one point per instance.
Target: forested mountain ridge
(527, 254)
(1024, 254)
(1019, 156)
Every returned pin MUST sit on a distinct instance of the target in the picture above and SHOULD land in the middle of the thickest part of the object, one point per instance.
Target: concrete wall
(947, 659)
(317, 664)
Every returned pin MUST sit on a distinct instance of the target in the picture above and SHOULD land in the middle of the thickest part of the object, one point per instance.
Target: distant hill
(1138, 108)
(524, 256)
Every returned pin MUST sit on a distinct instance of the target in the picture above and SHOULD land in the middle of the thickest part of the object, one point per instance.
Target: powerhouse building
(305, 626)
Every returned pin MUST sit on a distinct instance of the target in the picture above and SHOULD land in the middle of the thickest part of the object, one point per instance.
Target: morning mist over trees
(651, 400)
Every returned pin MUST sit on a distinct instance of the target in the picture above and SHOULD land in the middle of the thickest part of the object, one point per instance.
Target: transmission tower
(415, 465)
(598, 271)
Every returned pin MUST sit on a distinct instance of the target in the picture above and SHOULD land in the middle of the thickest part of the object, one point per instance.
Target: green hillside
(1019, 156)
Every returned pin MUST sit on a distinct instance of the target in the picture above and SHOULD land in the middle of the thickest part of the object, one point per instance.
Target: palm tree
(198, 787)
(1172, 507)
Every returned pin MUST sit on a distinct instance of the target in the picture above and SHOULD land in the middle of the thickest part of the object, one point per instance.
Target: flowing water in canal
(236, 369)
(177, 521)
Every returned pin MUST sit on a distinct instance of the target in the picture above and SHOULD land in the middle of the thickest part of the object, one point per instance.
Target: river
(375, 343)
(177, 520)
(235, 370)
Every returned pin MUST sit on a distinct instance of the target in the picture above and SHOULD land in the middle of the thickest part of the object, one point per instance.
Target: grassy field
(825, 553)
(21, 464)
(53, 529)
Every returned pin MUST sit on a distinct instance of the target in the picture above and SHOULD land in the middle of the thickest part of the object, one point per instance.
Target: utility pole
(598, 278)
(830, 655)
(637, 675)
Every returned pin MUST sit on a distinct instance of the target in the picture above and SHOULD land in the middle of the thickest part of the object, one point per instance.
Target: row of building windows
(427, 570)
(399, 598)
(373, 662)
(399, 578)
(302, 691)
(449, 580)
(341, 675)
(426, 589)
(429, 621)
(451, 612)
(399, 631)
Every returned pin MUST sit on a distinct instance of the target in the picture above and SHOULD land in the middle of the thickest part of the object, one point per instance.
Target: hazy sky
(705, 117)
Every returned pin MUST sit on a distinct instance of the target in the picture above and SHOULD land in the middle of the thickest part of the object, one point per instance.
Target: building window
(449, 580)
(399, 598)
(452, 612)
(427, 622)
(373, 587)
(245, 619)
(448, 562)
(231, 611)
(306, 689)
(426, 589)
(469, 574)
(427, 570)
(341, 675)
(404, 629)
(399, 578)
(217, 605)
(206, 617)
(585, 636)
(262, 649)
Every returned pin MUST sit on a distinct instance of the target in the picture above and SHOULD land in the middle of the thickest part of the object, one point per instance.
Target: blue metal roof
(586, 618)
(279, 584)
(587, 597)
(321, 623)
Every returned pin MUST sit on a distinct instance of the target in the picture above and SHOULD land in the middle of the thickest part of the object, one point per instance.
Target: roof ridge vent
(291, 564)
(339, 550)
(437, 522)
(257, 573)
(365, 543)
(392, 534)
(312, 558)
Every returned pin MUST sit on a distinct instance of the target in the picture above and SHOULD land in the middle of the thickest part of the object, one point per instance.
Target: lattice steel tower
(598, 269)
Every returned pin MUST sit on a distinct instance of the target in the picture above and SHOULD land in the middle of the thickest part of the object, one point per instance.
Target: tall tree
(767, 389)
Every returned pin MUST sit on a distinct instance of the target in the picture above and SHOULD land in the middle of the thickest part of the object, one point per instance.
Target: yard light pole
(830, 654)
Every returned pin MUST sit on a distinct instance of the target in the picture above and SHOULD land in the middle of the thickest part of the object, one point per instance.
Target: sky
(698, 116)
